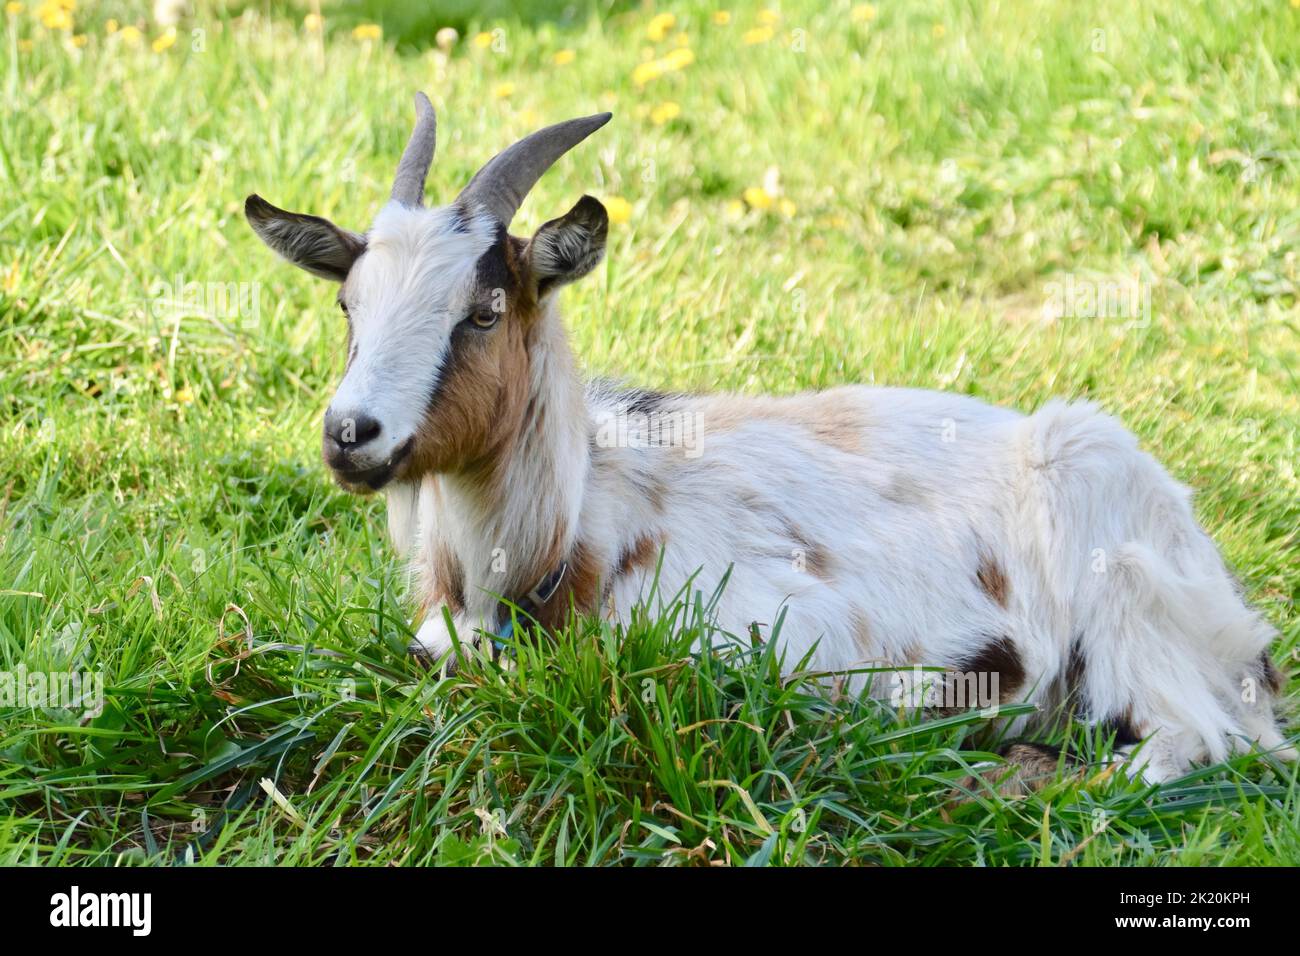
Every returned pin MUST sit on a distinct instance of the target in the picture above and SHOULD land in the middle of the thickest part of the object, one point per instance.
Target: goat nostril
(351, 431)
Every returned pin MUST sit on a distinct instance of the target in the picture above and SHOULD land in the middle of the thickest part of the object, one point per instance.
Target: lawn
(940, 193)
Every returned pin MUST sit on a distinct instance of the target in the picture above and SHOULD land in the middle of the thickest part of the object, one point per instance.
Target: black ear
(309, 242)
(568, 248)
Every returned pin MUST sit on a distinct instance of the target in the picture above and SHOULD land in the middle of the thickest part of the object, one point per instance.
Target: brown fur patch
(583, 587)
(477, 410)
(1272, 677)
(860, 629)
(816, 559)
(993, 580)
(444, 583)
(643, 555)
(1029, 767)
(831, 417)
(999, 656)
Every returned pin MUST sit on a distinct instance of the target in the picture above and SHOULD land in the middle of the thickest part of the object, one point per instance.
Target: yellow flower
(13, 8)
(165, 41)
(110, 26)
(482, 41)
(368, 31)
(312, 23)
(619, 209)
(665, 112)
(757, 35)
(54, 15)
(938, 31)
(185, 396)
(130, 35)
(645, 72)
(721, 17)
(79, 40)
(503, 90)
(25, 46)
(679, 59)
(769, 17)
(734, 209)
(863, 13)
(758, 198)
(788, 209)
(564, 57)
(659, 26)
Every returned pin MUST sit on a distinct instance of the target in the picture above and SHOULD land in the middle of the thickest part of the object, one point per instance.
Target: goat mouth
(373, 478)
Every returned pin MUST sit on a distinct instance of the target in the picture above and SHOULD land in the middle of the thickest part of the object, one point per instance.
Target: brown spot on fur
(444, 582)
(480, 403)
(903, 489)
(860, 629)
(643, 555)
(835, 417)
(993, 580)
(816, 559)
(1270, 675)
(1029, 767)
(999, 656)
(583, 587)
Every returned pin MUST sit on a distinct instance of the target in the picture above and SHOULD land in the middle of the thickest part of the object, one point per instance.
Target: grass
(889, 195)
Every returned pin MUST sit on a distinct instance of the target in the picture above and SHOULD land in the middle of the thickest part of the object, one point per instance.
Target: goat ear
(309, 242)
(567, 248)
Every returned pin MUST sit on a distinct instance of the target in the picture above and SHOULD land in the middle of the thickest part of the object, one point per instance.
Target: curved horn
(408, 186)
(502, 184)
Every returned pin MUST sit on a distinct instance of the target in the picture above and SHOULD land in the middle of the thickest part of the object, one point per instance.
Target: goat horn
(501, 185)
(408, 186)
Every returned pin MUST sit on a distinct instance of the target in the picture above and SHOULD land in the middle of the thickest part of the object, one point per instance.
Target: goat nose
(351, 431)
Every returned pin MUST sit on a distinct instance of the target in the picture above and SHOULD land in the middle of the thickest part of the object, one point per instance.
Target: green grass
(166, 520)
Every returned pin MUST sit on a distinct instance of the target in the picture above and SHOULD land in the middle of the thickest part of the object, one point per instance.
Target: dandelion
(756, 197)
(185, 396)
(679, 59)
(645, 72)
(368, 31)
(757, 35)
(674, 60)
(110, 25)
(721, 17)
(619, 209)
(482, 41)
(788, 209)
(564, 57)
(938, 31)
(665, 112)
(659, 26)
(55, 15)
(79, 40)
(734, 209)
(503, 90)
(13, 8)
(769, 18)
(446, 38)
(131, 35)
(312, 22)
(165, 41)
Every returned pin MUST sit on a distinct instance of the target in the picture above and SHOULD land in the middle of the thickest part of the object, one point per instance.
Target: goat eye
(343, 307)
(484, 318)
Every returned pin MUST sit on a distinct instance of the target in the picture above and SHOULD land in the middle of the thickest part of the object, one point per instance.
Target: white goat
(893, 527)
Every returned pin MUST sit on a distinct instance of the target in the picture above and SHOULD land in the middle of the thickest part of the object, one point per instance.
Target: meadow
(1017, 199)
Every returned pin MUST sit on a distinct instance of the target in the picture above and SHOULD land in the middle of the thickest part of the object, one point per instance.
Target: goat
(891, 527)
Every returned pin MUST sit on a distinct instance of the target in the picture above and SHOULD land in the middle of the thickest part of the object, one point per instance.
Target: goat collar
(528, 605)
